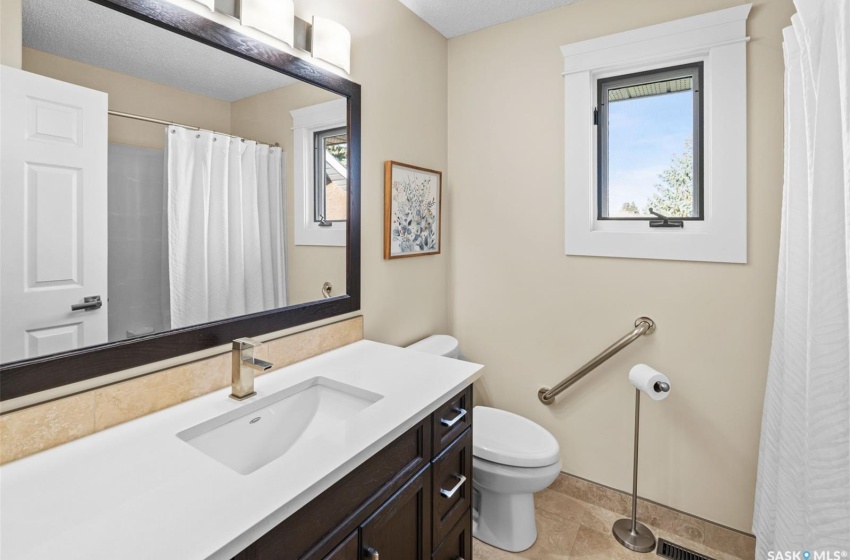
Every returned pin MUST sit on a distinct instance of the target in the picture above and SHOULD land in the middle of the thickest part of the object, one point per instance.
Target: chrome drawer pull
(449, 423)
(372, 554)
(449, 493)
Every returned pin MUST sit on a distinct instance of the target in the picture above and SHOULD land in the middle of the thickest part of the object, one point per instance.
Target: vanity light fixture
(323, 38)
(331, 42)
(326, 40)
(272, 17)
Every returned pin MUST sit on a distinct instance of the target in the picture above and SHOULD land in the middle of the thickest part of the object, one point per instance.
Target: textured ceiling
(457, 17)
(84, 31)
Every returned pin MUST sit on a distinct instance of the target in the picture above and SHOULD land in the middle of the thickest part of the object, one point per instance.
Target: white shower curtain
(225, 226)
(803, 489)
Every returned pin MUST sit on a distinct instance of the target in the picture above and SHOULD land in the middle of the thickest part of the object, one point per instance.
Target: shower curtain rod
(169, 123)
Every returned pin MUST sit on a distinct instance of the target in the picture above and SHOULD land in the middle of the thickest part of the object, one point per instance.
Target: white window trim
(306, 122)
(718, 39)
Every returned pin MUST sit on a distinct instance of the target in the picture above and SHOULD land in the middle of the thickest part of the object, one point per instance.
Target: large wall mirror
(169, 184)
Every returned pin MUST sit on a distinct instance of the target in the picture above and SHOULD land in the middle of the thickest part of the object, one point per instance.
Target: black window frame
(319, 186)
(603, 86)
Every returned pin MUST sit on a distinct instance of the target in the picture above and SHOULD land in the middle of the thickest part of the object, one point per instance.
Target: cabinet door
(401, 528)
(347, 550)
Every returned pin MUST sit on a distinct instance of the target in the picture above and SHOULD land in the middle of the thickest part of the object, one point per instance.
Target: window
(331, 176)
(650, 145)
(669, 133)
(320, 173)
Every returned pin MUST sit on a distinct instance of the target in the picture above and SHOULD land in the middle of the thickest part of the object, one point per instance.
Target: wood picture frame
(412, 210)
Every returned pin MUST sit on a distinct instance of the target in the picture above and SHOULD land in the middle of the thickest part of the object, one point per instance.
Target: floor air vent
(667, 549)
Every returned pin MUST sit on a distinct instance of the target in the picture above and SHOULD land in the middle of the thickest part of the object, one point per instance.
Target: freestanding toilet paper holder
(631, 533)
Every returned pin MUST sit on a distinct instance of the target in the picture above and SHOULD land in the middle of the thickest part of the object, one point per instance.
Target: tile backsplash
(28, 431)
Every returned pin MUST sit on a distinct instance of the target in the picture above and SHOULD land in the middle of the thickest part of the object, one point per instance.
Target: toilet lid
(509, 439)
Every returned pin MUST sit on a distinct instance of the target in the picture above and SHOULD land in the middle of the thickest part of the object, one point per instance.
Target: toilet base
(508, 522)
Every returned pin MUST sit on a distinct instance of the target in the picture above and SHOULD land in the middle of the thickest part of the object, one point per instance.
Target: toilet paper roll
(648, 380)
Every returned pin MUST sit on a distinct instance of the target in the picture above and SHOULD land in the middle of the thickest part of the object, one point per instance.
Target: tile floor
(570, 529)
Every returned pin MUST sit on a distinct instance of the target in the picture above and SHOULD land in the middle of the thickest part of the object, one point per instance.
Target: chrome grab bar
(643, 325)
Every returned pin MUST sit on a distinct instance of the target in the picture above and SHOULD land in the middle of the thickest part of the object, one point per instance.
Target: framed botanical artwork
(412, 210)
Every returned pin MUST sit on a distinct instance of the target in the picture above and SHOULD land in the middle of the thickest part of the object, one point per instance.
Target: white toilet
(512, 458)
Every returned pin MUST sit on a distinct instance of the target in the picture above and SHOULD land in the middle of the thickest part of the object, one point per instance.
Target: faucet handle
(245, 343)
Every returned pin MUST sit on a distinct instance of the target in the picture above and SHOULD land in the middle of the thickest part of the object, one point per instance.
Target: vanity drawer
(452, 486)
(458, 543)
(451, 419)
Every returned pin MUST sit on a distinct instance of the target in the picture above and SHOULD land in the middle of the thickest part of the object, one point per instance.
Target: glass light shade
(332, 43)
(275, 18)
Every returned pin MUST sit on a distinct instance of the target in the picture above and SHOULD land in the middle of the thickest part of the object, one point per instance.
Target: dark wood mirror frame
(24, 377)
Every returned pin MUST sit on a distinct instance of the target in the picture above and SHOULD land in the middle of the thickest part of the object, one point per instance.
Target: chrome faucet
(244, 364)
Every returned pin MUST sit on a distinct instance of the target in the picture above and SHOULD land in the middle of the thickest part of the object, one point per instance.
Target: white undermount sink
(257, 434)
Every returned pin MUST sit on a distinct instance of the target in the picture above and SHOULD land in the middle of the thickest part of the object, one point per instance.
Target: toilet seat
(508, 439)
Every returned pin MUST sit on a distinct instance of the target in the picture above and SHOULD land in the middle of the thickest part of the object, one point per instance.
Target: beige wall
(134, 95)
(532, 314)
(266, 117)
(10, 33)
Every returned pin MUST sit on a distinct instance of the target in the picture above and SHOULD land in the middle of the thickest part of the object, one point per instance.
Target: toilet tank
(439, 344)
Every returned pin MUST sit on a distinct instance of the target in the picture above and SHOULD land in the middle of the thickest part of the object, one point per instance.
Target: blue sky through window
(644, 135)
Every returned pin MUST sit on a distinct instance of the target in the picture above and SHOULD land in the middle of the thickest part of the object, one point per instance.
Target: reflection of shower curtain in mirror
(225, 226)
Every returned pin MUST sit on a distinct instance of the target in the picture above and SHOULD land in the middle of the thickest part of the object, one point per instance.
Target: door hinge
(595, 116)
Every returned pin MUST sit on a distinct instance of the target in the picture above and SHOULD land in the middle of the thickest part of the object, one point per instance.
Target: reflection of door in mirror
(53, 216)
(185, 212)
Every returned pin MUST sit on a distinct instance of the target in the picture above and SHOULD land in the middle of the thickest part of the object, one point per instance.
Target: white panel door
(53, 215)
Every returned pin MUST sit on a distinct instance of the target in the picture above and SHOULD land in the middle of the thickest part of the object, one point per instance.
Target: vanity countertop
(138, 491)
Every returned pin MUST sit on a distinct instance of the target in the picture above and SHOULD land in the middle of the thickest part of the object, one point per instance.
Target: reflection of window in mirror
(331, 176)
(321, 173)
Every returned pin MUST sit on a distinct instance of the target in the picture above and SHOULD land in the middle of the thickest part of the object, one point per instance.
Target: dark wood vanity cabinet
(401, 526)
(410, 501)
(349, 549)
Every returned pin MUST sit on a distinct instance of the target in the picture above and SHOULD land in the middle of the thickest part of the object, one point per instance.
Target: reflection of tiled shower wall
(138, 256)
(31, 430)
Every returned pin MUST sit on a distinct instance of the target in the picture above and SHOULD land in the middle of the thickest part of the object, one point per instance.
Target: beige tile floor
(570, 529)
